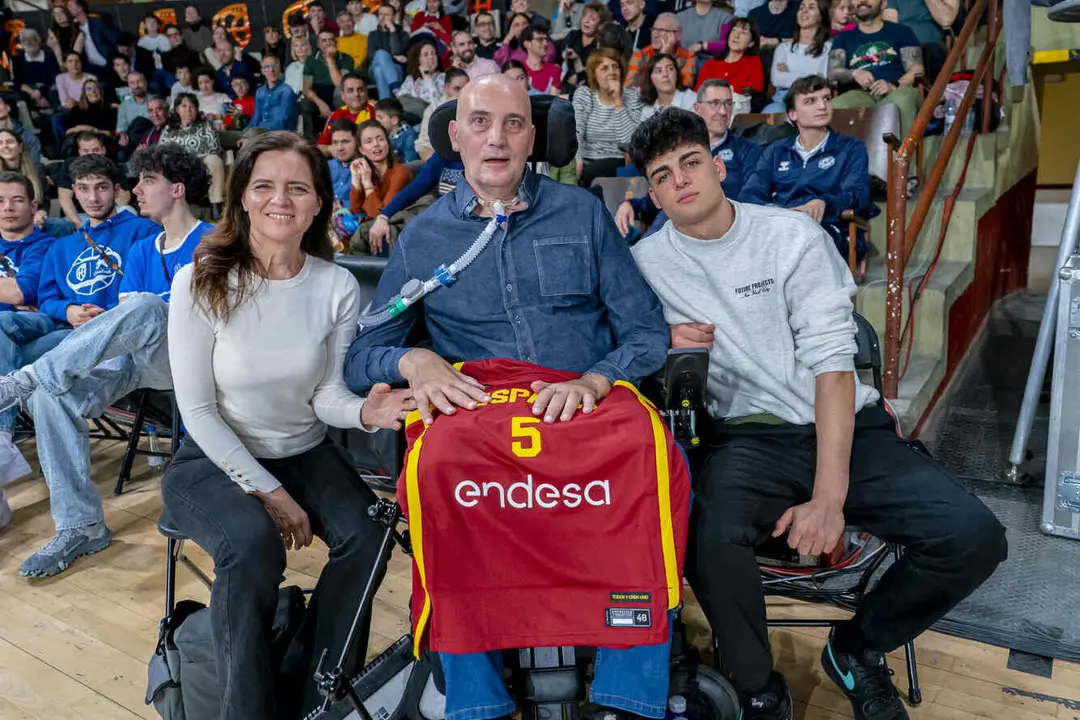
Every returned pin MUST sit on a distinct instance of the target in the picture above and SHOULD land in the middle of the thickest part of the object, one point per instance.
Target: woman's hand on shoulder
(386, 408)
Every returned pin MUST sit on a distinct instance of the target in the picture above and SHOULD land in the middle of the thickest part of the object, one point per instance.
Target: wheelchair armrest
(682, 392)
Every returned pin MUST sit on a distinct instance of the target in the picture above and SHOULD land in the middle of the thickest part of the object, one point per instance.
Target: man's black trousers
(750, 474)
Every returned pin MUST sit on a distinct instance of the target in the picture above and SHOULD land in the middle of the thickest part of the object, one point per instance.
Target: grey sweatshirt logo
(758, 287)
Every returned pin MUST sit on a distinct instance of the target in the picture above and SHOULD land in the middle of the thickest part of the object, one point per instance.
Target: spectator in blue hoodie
(740, 156)
(22, 250)
(120, 350)
(80, 279)
(818, 172)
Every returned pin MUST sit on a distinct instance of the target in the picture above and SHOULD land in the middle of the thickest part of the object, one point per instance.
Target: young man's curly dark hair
(87, 165)
(176, 165)
(667, 130)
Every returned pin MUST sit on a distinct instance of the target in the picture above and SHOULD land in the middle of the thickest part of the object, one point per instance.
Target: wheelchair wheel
(709, 696)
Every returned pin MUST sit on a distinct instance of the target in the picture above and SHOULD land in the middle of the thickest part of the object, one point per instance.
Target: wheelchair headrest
(556, 135)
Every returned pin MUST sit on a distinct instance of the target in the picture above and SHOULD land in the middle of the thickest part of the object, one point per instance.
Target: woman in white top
(258, 329)
(662, 87)
(807, 54)
(294, 74)
(424, 81)
(212, 104)
(153, 40)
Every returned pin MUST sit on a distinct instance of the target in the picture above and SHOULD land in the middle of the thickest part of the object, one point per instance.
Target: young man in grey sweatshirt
(795, 443)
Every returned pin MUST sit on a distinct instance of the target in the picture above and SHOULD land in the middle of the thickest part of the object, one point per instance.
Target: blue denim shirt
(275, 109)
(341, 177)
(557, 287)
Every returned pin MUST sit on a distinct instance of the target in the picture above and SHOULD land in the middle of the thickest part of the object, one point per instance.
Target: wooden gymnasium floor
(76, 646)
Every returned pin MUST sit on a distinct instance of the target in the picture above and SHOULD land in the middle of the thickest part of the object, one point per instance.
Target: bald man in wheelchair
(553, 286)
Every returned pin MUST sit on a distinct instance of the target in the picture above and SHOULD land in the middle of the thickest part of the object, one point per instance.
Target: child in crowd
(243, 105)
(389, 113)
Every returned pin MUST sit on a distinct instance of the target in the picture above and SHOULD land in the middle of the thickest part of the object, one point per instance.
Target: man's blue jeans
(385, 72)
(114, 354)
(634, 680)
(24, 337)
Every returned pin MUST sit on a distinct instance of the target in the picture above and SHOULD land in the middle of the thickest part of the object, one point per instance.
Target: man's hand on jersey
(813, 528)
(559, 401)
(692, 335)
(436, 382)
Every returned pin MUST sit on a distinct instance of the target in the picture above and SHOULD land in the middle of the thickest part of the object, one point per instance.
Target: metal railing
(902, 234)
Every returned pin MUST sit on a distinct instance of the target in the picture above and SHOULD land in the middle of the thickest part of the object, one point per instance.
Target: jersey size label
(631, 597)
(629, 618)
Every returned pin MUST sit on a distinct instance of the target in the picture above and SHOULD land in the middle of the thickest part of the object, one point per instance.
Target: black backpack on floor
(182, 679)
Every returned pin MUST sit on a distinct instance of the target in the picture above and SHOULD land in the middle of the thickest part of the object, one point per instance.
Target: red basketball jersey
(526, 533)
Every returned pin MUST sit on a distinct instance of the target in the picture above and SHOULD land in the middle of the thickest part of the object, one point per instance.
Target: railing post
(988, 78)
(895, 257)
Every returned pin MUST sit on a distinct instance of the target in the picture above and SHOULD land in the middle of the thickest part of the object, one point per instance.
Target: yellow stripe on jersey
(416, 533)
(663, 492)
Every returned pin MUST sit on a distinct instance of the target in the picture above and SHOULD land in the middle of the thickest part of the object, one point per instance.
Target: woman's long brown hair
(227, 249)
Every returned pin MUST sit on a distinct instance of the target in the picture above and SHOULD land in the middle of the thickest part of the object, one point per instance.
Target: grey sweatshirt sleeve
(819, 291)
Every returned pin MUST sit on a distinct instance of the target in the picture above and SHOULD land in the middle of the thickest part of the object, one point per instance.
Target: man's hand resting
(624, 217)
(560, 400)
(291, 520)
(81, 314)
(815, 209)
(434, 381)
(692, 335)
(813, 528)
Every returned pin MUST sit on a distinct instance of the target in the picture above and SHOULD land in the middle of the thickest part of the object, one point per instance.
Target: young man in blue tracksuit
(76, 282)
(109, 356)
(22, 250)
(818, 172)
(740, 156)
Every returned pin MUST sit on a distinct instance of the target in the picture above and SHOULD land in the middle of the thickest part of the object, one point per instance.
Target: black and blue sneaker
(771, 703)
(867, 682)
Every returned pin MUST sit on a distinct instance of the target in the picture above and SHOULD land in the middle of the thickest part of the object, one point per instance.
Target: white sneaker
(5, 510)
(12, 463)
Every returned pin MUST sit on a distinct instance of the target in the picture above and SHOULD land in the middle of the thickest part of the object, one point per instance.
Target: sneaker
(12, 463)
(772, 703)
(63, 549)
(16, 388)
(5, 510)
(867, 682)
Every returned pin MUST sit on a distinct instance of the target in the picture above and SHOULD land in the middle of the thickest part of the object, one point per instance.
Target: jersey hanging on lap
(526, 533)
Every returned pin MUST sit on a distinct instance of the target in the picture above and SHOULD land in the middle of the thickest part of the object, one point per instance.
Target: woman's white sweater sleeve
(334, 403)
(191, 353)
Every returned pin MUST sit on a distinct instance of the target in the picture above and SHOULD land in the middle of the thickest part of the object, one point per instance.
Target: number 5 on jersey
(526, 432)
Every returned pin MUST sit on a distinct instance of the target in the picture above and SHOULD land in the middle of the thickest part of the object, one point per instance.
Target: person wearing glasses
(487, 40)
(740, 156)
(666, 32)
(275, 101)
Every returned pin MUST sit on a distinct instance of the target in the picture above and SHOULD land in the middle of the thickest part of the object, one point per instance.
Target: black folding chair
(146, 408)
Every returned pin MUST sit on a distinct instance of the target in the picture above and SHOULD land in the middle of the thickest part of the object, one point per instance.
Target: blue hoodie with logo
(837, 173)
(74, 273)
(149, 270)
(24, 259)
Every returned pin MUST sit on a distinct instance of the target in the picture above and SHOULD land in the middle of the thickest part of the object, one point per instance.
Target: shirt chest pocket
(564, 264)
